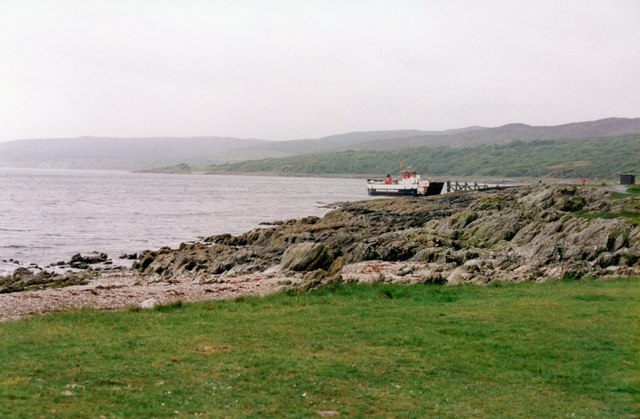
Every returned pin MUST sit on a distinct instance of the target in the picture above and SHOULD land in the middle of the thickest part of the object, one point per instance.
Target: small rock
(128, 256)
(79, 265)
(149, 303)
(91, 258)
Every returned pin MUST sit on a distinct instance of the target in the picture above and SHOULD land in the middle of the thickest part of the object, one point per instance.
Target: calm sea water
(47, 216)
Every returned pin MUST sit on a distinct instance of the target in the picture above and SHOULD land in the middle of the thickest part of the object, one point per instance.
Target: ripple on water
(61, 213)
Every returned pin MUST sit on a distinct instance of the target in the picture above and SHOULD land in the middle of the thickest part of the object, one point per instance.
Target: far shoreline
(479, 179)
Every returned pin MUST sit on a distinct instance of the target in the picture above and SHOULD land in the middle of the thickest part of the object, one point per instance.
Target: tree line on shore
(596, 158)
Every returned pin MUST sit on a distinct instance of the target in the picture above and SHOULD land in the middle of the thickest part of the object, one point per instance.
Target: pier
(457, 186)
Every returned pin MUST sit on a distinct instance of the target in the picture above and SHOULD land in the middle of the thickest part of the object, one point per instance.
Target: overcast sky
(302, 69)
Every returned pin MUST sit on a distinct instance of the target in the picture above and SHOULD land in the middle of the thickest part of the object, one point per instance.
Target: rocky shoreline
(528, 233)
(515, 234)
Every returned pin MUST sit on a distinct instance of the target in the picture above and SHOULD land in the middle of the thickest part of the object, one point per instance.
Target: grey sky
(300, 69)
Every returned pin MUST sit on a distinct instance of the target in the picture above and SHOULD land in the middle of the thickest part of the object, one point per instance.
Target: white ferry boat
(409, 183)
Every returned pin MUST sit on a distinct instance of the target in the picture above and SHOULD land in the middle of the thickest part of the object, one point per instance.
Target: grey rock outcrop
(23, 279)
(517, 234)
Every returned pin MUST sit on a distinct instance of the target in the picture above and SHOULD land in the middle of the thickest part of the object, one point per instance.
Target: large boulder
(81, 262)
(307, 257)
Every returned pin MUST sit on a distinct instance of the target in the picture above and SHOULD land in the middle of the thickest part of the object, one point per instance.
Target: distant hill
(127, 153)
(594, 158)
(159, 152)
(357, 140)
(341, 141)
(460, 137)
(609, 127)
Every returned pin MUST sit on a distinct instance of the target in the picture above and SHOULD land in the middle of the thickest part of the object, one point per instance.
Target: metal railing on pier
(475, 186)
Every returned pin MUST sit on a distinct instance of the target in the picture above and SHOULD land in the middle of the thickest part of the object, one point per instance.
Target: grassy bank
(622, 206)
(551, 349)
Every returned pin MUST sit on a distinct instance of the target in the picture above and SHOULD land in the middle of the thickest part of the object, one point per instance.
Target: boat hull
(382, 191)
(434, 188)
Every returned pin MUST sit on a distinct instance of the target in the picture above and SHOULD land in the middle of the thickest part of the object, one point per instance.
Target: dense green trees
(601, 158)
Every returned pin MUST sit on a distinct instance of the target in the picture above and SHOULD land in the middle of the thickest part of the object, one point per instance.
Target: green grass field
(567, 348)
